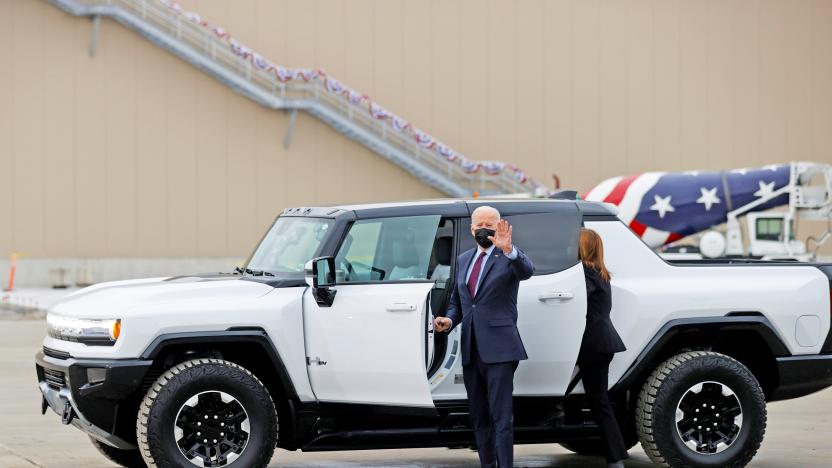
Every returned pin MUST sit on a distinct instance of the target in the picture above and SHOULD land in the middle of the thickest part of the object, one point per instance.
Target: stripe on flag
(600, 191)
(620, 190)
(630, 203)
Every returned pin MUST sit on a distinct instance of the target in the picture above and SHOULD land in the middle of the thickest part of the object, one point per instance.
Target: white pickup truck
(323, 341)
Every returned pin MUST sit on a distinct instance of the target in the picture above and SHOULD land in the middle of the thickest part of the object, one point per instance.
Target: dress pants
(490, 388)
(594, 368)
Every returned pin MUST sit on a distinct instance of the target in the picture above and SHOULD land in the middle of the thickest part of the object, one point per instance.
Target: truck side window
(549, 239)
(387, 249)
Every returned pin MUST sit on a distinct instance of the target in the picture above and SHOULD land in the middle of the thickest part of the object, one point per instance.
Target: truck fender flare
(254, 335)
(735, 321)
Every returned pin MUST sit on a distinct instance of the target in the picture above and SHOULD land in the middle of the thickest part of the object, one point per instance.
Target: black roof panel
(452, 207)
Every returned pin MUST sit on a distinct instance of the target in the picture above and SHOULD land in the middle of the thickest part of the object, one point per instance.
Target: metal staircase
(213, 50)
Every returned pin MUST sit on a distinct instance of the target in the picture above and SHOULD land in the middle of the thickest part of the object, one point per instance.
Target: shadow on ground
(440, 458)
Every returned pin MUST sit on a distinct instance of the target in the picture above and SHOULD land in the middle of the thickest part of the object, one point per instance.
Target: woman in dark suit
(600, 342)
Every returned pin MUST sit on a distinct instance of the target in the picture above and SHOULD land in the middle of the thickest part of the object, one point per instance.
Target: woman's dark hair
(591, 252)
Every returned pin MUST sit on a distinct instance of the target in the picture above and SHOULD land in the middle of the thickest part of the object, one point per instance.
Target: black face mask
(481, 235)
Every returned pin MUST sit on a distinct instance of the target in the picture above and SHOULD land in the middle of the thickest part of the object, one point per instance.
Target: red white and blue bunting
(376, 111)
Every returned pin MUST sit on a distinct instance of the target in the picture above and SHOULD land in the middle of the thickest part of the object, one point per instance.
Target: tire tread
(146, 417)
(665, 375)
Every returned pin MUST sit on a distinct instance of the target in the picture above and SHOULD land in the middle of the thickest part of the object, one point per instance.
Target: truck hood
(119, 298)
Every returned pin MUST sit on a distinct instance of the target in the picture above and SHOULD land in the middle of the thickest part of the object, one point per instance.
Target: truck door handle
(555, 295)
(401, 307)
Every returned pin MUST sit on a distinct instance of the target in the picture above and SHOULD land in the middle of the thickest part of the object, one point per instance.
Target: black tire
(590, 447)
(676, 387)
(182, 395)
(126, 458)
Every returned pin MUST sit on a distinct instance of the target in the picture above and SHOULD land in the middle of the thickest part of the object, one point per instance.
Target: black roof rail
(564, 195)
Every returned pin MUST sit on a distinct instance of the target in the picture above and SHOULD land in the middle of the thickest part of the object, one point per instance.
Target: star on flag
(708, 197)
(662, 205)
(766, 189)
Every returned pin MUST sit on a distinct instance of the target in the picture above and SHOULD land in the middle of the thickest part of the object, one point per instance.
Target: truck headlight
(94, 332)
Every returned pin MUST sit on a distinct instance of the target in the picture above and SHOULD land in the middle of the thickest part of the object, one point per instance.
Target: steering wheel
(380, 272)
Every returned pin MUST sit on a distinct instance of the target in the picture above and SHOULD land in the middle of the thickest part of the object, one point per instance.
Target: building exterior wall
(134, 153)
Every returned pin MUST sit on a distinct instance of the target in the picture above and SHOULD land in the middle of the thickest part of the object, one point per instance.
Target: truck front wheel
(207, 412)
(701, 409)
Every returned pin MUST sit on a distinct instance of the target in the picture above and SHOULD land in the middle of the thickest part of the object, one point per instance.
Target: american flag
(663, 207)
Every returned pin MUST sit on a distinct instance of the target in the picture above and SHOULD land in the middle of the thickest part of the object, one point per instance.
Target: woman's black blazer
(599, 335)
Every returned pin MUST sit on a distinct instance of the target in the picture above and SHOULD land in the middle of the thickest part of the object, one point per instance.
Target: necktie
(475, 275)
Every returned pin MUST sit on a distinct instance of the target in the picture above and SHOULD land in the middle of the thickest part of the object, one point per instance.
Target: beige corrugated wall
(135, 153)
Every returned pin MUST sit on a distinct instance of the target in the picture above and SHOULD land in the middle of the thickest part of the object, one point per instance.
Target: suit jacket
(492, 312)
(599, 335)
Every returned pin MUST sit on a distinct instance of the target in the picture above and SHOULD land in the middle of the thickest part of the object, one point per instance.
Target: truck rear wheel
(126, 458)
(701, 409)
(207, 412)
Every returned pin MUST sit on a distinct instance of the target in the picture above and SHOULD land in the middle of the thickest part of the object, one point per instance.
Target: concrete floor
(799, 431)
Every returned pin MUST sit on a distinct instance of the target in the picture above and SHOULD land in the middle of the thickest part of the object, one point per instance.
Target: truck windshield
(289, 244)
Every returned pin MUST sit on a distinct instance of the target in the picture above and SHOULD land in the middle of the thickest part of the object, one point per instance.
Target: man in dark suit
(484, 300)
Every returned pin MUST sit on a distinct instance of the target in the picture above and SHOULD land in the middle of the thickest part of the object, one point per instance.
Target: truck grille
(55, 353)
(54, 379)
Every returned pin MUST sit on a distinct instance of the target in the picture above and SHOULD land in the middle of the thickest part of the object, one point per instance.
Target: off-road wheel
(207, 412)
(701, 409)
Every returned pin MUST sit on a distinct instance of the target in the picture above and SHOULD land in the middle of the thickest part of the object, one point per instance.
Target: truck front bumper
(89, 393)
(802, 375)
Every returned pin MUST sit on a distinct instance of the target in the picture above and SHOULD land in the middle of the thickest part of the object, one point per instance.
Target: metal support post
(290, 131)
(96, 25)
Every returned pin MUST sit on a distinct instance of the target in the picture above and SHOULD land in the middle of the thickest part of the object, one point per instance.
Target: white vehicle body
(373, 345)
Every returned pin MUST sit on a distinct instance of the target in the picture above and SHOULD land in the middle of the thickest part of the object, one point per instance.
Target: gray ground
(799, 432)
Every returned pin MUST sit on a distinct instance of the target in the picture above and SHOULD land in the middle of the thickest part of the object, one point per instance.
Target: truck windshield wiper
(258, 272)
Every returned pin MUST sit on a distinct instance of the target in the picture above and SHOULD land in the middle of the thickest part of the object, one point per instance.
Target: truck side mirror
(321, 276)
(323, 272)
